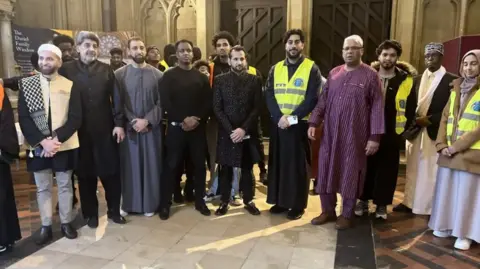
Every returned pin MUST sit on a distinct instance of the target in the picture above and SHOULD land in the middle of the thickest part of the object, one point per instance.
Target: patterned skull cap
(434, 47)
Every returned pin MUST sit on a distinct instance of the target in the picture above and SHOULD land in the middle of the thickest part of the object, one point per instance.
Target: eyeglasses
(352, 48)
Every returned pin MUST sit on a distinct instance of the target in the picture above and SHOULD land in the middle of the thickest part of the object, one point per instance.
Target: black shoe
(45, 235)
(3, 249)
(189, 197)
(278, 209)
(203, 209)
(117, 219)
(402, 208)
(164, 213)
(264, 178)
(252, 208)
(295, 214)
(92, 222)
(178, 198)
(68, 231)
(222, 209)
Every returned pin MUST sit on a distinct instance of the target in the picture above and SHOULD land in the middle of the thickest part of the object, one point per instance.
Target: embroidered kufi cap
(434, 47)
(51, 48)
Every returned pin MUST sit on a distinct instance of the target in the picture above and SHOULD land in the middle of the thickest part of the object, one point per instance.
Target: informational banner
(26, 40)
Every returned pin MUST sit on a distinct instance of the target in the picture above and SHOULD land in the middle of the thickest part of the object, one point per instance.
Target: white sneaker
(381, 212)
(361, 208)
(463, 244)
(441, 234)
(123, 213)
(235, 201)
(149, 215)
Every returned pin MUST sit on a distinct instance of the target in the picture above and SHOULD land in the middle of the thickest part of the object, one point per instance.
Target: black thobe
(382, 168)
(98, 152)
(236, 103)
(9, 226)
(289, 151)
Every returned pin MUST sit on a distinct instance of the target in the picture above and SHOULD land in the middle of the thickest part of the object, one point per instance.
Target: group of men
(80, 115)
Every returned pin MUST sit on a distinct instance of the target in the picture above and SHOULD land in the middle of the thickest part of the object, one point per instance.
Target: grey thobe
(141, 153)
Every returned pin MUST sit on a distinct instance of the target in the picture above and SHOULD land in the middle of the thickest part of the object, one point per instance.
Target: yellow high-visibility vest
(401, 104)
(291, 93)
(164, 64)
(468, 122)
(251, 70)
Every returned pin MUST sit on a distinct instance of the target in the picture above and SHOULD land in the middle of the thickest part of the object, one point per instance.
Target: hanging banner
(26, 40)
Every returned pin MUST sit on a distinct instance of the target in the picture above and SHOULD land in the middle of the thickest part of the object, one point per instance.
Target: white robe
(422, 155)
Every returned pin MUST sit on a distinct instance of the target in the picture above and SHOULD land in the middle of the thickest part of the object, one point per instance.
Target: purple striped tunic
(351, 108)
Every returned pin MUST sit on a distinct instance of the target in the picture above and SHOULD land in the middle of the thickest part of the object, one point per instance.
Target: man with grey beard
(101, 130)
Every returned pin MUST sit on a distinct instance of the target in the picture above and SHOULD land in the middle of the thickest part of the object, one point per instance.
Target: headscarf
(467, 83)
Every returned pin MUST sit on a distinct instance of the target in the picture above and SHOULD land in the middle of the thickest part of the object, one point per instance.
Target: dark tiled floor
(404, 241)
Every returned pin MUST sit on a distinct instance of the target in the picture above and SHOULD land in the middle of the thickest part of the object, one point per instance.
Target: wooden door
(334, 20)
(259, 26)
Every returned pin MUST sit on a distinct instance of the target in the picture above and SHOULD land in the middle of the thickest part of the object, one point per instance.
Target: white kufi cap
(52, 48)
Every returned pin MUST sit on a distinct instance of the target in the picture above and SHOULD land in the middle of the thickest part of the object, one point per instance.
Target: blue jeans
(235, 183)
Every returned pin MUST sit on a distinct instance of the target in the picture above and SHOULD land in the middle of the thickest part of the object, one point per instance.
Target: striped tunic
(351, 108)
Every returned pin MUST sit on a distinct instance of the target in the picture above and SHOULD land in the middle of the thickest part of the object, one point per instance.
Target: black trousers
(261, 149)
(246, 183)
(88, 195)
(180, 144)
(189, 185)
(382, 172)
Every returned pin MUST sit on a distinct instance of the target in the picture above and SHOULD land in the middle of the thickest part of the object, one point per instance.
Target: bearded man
(141, 158)
(400, 102)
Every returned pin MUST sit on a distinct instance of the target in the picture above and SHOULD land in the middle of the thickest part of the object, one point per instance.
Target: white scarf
(425, 95)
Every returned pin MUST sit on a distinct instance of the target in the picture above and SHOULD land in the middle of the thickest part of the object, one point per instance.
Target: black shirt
(185, 93)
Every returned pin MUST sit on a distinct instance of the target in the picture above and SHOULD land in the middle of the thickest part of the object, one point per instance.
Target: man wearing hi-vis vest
(291, 94)
(400, 104)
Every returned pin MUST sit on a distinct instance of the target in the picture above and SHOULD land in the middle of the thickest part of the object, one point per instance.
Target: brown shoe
(343, 223)
(323, 218)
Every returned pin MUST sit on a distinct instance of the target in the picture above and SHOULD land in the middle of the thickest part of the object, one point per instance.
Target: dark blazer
(102, 111)
(439, 100)
(236, 103)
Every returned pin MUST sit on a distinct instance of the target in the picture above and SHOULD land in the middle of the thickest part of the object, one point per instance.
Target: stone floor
(238, 240)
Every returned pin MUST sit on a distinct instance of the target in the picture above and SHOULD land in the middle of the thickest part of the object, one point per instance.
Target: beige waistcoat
(57, 91)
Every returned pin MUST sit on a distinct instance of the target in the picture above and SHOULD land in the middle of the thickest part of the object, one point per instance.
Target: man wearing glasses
(351, 109)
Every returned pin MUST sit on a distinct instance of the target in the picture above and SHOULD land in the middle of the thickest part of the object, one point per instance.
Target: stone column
(208, 22)
(6, 43)
(106, 15)
(299, 15)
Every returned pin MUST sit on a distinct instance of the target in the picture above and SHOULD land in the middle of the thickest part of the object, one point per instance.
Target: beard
(238, 68)
(295, 55)
(140, 59)
(47, 70)
(89, 58)
(388, 65)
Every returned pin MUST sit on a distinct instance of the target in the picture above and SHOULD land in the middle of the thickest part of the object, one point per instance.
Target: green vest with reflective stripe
(468, 122)
(291, 93)
(401, 103)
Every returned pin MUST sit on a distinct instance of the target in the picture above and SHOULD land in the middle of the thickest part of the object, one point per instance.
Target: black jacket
(402, 71)
(236, 103)
(439, 101)
(102, 111)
